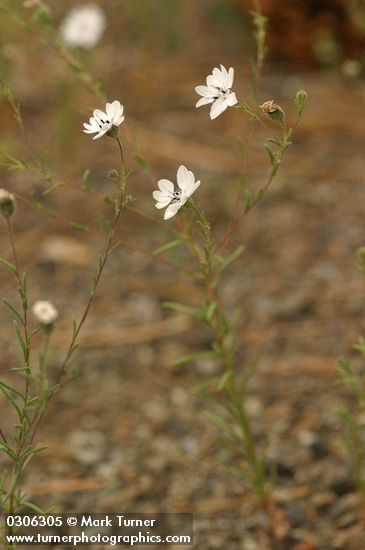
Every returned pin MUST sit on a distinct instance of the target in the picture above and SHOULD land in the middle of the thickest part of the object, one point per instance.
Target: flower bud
(113, 174)
(274, 111)
(7, 203)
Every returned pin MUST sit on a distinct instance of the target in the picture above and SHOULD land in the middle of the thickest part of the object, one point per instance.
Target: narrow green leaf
(271, 154)
(167, 247)
(193, 357)
(209, 313)
(223, 380)
(8, 265)
(195, 312)
(142, 162)
(21, 341)
(80, 227)
(52, 188)
(232, 257)
(38, 204)
(85, 180)
(14, 311)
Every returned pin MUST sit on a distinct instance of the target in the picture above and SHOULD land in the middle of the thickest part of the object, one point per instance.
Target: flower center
(176, 195)
(102, 123)
(222, 92)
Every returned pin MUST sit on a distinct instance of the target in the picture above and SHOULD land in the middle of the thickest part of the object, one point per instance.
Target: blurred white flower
(83, 26)
(175, 199)
(217, 91)
(44, 312)
(101, 123)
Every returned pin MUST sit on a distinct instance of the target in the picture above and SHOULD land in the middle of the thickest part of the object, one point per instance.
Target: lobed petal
(118, 121)
(161, 196)
(230, 78)
(101, 133)
(91, 127)
(224, 77)
(214, 79)
(172, 210)
(206, 91)
(114, 111)
(231, 99)
(192, 189)
(219, 77)
(100, 115)
(185, 178)
(218, 107)
(204, 101)
(166, 185)
(162, 204)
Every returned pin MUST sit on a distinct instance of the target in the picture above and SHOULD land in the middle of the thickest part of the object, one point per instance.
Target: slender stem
(42, 366)
(107, 250)
(232, 390)
(24, 301)
(284, 144)
(120, 150)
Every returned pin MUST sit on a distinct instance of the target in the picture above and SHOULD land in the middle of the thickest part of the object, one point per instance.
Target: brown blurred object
(303, 31)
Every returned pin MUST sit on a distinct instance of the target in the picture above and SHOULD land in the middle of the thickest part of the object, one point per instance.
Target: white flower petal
(212, 82)
(204, 101)
(90, 127)
(163, 204)
(182, 176)
(231, 99)
(166, 185)
(218, 107)
(161, 196)
(224, 77)
(100, 115)
(114, 111)
(206, 91)
(185, 178)
(219, 77)
(230, 77)
(192, 189)
(101, 133)
(214, 79)
(172, 210)
(118, 121)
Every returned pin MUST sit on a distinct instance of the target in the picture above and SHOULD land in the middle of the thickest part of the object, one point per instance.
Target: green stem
(76, 332)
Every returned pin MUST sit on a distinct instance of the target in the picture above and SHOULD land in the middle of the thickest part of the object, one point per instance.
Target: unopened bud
(113, 174)
(274, 111)
(7, 203)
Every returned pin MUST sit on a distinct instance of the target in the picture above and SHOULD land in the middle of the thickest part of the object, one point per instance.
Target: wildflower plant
(352, 415)
(183, 202)
(226, 392)
(30, 399)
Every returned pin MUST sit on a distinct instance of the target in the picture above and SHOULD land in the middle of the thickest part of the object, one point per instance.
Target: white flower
(101, 123)
(217, 91)
(44, 312)
(175, 199)
(83, 26)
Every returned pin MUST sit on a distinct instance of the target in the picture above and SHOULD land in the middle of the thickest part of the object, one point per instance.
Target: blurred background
(126, 434)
